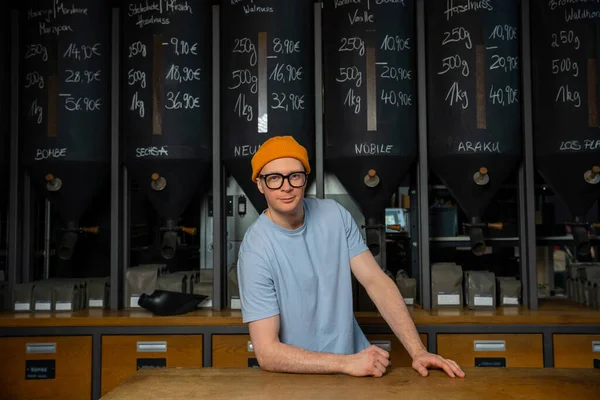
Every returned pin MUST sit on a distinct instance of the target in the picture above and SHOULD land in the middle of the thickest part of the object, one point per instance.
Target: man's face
(283, 194)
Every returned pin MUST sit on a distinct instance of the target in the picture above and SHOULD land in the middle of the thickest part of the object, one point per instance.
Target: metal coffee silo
(167, 105)
(65, 108)
(565, 68)
(473, 102)
(370, 102)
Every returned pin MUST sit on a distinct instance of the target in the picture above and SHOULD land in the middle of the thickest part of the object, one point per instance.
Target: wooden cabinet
(492, 350)
(46, 367)
(576, 351)
(232, 351)
(398, 354)
(123, 355)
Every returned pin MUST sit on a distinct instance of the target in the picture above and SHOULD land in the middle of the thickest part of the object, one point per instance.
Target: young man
(294, 273)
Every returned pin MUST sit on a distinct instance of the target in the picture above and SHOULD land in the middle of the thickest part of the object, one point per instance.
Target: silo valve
(371, 179)
(394, 227)
(481, 177)
(158, 182)
(495, 225)
(592, 176)
(90, 229)
(189, 231)
(53, 183)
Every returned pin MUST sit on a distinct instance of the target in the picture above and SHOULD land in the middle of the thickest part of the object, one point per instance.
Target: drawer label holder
(40, 369)
(143, 363)
(491, 362)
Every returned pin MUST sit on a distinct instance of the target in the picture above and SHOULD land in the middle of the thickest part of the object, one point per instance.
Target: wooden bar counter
(101, 349)
(399, 383)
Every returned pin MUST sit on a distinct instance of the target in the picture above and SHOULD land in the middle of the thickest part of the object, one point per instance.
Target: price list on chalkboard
(370, 80)
(167, 76)
(65, 80)
(473, 77)
(565, 76)
(267, 73)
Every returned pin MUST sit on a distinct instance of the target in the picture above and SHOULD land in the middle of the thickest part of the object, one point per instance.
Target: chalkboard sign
(167, 79)
(565, 70)
(370, 78)
(473, 77)
(267, 74)
(65, 50)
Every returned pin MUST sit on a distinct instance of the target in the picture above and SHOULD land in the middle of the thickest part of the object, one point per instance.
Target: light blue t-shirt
(304, 276)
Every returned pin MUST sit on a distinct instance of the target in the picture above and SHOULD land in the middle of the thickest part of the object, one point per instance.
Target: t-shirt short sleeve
(356, 243)
(257, 289)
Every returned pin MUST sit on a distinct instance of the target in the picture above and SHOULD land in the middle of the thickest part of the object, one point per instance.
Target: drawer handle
(595, 347)
(383, 344)
(40, 348)
(490, 345)
(250, 347)
(151, 347)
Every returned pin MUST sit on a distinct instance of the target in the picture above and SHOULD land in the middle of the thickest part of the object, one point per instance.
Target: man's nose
(286, 187)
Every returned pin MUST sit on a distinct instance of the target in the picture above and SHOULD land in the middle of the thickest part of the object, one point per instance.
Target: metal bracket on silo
(119, 251)
(219, 290)
(422, 242)
(319, 140)
(14, 230)
(527, 236)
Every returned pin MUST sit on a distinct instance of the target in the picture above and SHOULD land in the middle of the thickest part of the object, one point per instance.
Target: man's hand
(372, 361)
(425, 360)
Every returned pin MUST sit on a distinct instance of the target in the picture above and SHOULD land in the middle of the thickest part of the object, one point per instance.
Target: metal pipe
(582, 241)
(373, 238)
(477, 241)
(67, 245)
(169, 244)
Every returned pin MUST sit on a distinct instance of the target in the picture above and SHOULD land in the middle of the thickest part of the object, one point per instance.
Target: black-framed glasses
(275, 180)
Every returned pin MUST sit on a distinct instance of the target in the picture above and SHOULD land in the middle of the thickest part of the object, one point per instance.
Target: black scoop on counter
(167, 303)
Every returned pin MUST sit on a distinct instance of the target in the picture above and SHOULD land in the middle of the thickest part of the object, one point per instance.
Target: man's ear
(259, 184)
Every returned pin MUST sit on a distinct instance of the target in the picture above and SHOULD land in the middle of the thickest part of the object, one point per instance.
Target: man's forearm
(281, 357)
(389, 302)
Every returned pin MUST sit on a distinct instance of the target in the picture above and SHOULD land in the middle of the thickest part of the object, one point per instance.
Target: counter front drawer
(576, 351)
(123, 355)
(495, 350)
(233, 351)
(46, 367)
(398, 354)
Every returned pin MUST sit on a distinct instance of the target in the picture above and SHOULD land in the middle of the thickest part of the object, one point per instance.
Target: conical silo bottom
(457, 173)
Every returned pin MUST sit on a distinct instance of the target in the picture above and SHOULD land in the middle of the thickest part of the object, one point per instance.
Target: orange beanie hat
(278, 147)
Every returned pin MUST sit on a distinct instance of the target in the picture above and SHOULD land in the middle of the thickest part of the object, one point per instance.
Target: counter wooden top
(399, 383)
(555, 312)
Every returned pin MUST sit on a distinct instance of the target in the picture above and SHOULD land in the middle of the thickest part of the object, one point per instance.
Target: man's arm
(380, 287)
(274, 356)
(388, 300)
(386, 296)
